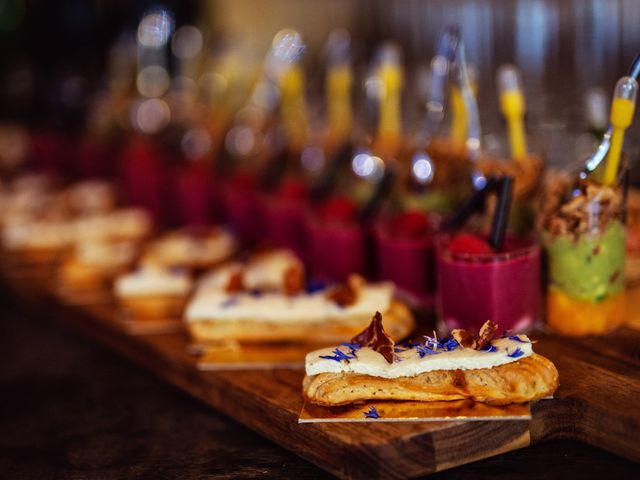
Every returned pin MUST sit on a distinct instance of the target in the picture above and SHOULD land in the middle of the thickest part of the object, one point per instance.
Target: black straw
(501, 215)
(472, 205)
(325, 184)
(380, 194)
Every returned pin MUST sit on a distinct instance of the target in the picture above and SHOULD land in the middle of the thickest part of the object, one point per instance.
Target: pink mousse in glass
(476, 284)
(284, 215)
(405, 253)
(336, 242)
(241, 204)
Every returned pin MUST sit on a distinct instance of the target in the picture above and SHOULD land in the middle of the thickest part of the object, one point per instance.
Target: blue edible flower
(425, 350)
(229, 302)
(316, 286)
(488, 348)
(255, 293)
(516, 338)
(448, 344)
(339, 355)
(516, 353)
(372, 413)
(353, 347)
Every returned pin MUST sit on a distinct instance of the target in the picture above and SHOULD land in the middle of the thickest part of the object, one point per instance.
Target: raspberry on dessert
(467, 243)
(411, 224)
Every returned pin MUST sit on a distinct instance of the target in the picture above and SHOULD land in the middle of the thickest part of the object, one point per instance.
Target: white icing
(123, 223)
(218, 278)
(36, 235)
(266, 271)
(409, 364)
(185, 249)
(153, 281)
(104, 254)
(210, 304)
(92, 196)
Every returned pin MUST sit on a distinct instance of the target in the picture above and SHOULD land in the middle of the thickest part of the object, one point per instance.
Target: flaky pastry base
(398, 322)
(527, 379)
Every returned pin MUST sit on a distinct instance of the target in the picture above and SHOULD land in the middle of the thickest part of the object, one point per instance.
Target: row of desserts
(266, 298)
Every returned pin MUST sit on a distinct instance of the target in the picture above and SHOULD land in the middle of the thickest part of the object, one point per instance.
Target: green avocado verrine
(590, 268)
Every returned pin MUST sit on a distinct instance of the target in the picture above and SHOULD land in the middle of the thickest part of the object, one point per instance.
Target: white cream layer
(218, 305)
(266, 271)
(130, 223)
(105, 254)
(153, 281)
(184, 249)
(409, 364)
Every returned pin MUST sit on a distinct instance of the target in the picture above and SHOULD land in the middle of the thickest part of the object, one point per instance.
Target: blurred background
(56, 54)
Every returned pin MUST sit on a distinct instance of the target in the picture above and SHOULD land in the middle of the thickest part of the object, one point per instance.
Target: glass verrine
(584, 239)
(503, 287)
(405, 253)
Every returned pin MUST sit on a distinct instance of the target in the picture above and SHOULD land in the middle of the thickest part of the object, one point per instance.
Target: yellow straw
(389, 127)
(512, 104)
(459, 117)
(458, 131)
(621, 117)
(339, 82)
(294, 107)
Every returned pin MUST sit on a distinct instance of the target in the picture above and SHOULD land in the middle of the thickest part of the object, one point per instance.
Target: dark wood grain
(595, 403)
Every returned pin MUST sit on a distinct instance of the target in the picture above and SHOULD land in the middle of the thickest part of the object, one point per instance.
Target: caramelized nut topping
(464, 338)
(468, 340)
(486, 334)
(342, 294)
(346, 294)
(375, 337)
(293, 281)
(235, 283)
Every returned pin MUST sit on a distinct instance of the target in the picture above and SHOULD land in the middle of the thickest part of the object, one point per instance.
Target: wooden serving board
(596, 403)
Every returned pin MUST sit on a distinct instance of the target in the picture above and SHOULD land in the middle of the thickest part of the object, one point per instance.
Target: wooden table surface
(71, 409)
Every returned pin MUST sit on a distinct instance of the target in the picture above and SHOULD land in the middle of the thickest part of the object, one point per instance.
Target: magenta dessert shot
(476, 284)
(284, 216)
(241, 205)
(405, 253)
(335, 240)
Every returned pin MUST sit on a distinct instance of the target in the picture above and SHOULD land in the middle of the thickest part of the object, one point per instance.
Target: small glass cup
(405, 253)
(284, 213)
(242, 207)
(584, 239)
(336, 242)
(503, 287)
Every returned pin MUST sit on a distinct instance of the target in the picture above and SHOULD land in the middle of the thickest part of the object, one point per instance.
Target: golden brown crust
(527, 379)
(398, 322)
(153, 307)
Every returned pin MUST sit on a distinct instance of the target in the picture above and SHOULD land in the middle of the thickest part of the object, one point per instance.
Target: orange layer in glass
(568, 316)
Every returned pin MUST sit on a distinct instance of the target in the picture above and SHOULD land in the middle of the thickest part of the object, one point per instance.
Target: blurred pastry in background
(153, 292)
(93, 265)
(267, 299)
(90, 197)
(132, 224)
(196, 249)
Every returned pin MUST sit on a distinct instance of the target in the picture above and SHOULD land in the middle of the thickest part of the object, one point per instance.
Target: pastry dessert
(196, 249)
(371, 367)
(265, 300)
(36, 241)
(152, 293)
(93, 265)
(125, 224)
(90, 197)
